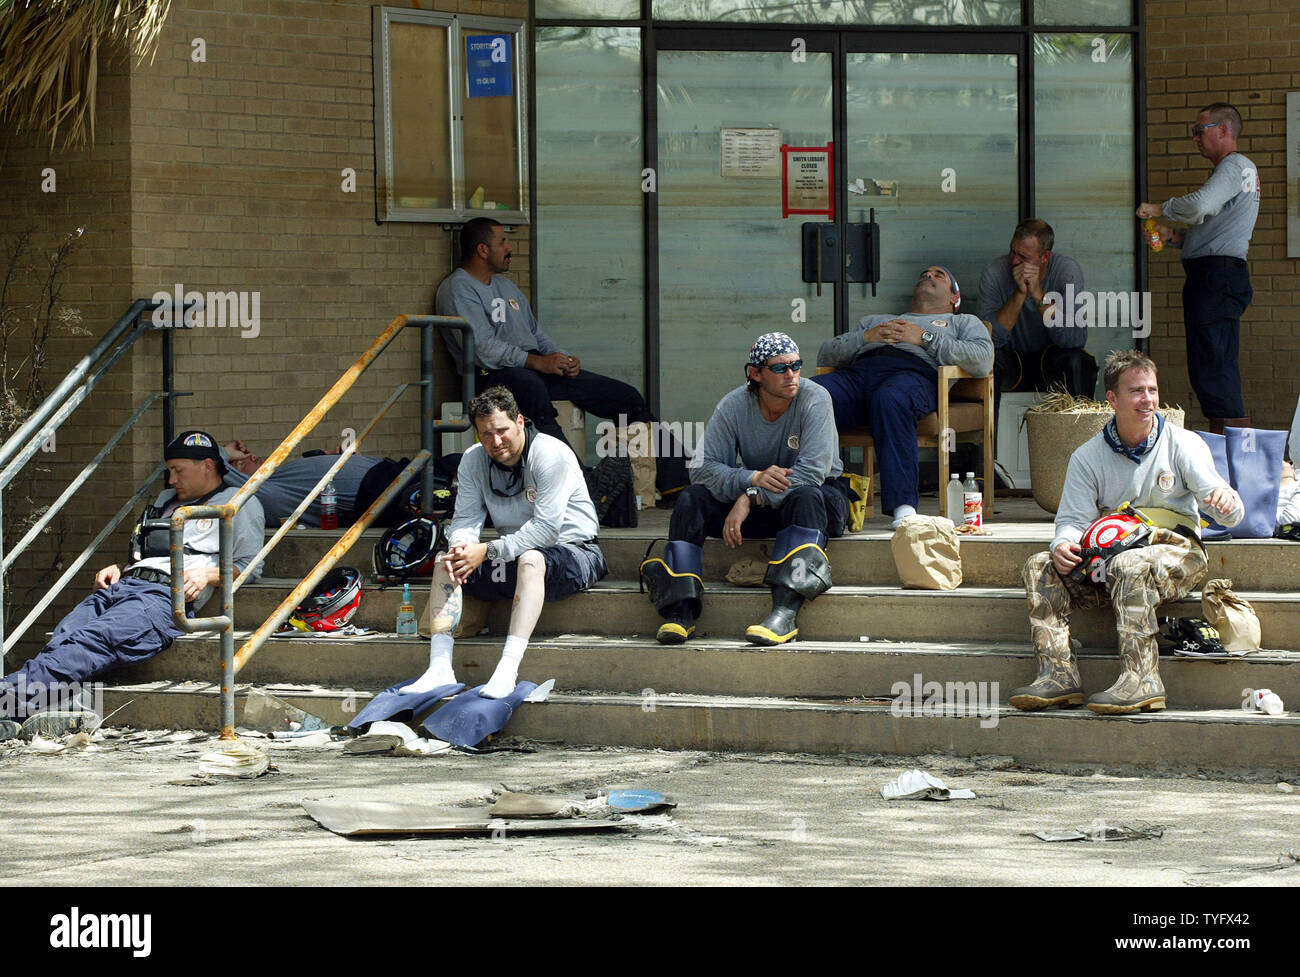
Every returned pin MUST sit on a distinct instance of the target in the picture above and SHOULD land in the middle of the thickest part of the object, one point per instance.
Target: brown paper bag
(927, 553)
(749, 571)
(1235, 619)
(473, 618)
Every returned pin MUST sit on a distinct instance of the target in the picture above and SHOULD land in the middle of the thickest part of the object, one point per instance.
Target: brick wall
(226, 175)
(1198, 53)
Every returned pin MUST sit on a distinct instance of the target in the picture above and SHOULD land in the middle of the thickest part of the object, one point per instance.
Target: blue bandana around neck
(1111, 433)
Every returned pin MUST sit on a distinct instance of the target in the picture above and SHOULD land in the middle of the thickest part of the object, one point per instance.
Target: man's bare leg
(445, 603)
(530, 594)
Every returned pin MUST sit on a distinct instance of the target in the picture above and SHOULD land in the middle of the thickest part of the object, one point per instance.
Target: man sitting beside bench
(886, 376)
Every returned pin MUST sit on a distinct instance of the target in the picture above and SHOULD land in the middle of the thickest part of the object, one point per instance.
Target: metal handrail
(46, 420)
(225, 622)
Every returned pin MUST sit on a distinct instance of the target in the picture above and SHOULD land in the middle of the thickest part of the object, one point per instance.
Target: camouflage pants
(1137, 582)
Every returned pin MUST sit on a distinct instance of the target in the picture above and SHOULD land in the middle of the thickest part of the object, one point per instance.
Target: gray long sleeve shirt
(1030, 334)
(740, 441)
(1221, 214)
(505, 329)
(552, 507)
(289, 484)
(959, 340)
(1177, 473)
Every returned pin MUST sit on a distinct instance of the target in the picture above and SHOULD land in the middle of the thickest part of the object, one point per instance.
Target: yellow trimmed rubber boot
(780, 626)
(676, 589)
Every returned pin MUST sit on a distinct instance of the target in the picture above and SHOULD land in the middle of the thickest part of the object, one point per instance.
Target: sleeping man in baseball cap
(128, 618)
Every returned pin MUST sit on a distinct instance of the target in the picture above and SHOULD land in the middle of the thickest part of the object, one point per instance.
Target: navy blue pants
(698, 514)
(890, 392)
(126, 623)
(570, 569)
(535, 392)
(1215, 295)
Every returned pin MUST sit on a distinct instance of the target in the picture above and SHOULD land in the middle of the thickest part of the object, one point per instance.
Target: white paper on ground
(542, 692)
(239, 759)
(919, 785)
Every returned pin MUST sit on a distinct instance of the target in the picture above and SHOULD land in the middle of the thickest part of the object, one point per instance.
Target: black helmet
(408, 549)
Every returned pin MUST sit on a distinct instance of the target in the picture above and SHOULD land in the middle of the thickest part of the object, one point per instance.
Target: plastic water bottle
(972, 501)
(406, 623)
(329, 508)
(956, 501)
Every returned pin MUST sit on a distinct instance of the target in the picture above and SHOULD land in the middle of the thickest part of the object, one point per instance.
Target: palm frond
(49, 51)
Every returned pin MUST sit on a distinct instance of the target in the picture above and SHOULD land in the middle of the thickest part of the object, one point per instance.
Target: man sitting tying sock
(531, 486)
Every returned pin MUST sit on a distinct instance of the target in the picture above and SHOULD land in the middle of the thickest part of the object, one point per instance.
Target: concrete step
(863, 559)
(1227, 739)
(733, 668)
(845, 613)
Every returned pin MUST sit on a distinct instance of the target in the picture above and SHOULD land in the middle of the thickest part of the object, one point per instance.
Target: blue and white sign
(490, 65)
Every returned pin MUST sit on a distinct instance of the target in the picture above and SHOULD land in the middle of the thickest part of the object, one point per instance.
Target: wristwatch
(755, 496)
(493, 551)
(927, 338)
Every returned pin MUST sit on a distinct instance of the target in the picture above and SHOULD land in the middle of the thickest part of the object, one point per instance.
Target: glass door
(932, 145)
(730, 266)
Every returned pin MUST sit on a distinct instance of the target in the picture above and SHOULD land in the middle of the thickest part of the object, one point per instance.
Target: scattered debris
(1284, 787)
(239, 759)
(639, 802)
(1100, 831)
(359, 817)
(263, 711)
(919, 785)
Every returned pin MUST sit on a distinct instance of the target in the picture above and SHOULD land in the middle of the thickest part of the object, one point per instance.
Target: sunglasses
(1198, 129)
(780, 368)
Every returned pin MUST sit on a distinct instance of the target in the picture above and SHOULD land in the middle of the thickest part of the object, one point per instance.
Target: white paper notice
(751, 153)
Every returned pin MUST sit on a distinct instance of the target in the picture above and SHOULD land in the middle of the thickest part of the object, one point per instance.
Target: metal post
(227, 558)
(426, 415)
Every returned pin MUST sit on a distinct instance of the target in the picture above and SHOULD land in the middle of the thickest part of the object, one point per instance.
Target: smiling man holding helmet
(1165, 473)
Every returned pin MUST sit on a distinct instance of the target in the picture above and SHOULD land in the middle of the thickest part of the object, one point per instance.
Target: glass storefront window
(1083, 162)
(930, 13)
(588, 9)
(590, 290)
(1081, 13)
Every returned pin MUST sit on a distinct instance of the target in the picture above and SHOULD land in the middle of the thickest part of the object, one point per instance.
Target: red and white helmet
(1110, 531)
(332, 604)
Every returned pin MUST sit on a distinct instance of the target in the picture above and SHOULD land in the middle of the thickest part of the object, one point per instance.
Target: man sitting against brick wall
(1163, 471)
(128, 618)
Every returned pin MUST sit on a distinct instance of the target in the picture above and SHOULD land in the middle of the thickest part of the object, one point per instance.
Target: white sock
(440, 670)
(506, 676)
(901, 513)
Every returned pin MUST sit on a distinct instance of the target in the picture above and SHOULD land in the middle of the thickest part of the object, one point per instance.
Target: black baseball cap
(195, 445)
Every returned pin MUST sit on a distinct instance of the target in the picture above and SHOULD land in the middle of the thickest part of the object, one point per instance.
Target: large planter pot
(1053, 439)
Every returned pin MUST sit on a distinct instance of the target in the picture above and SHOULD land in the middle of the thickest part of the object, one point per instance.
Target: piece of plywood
(354, 818)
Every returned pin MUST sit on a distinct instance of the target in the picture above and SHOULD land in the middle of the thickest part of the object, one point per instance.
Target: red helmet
(332, 603)
(1110, 530)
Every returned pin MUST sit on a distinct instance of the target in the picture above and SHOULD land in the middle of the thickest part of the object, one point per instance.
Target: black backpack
(612, 492)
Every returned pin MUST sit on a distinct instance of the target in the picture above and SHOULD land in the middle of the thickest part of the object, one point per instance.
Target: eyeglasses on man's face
(778, 368)
(1202, 126)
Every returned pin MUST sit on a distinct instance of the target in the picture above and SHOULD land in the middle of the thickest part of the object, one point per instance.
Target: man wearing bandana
(530, 485)
(886, 376)
(1164, 472)
(768, 465)
(128, 618)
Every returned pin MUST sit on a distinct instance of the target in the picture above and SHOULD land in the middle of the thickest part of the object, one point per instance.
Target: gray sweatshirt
(740, 441)
(959, 340)
(553, 506)
(1221, 214)
(505, 329)
(1176, 474)
(289, 484)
